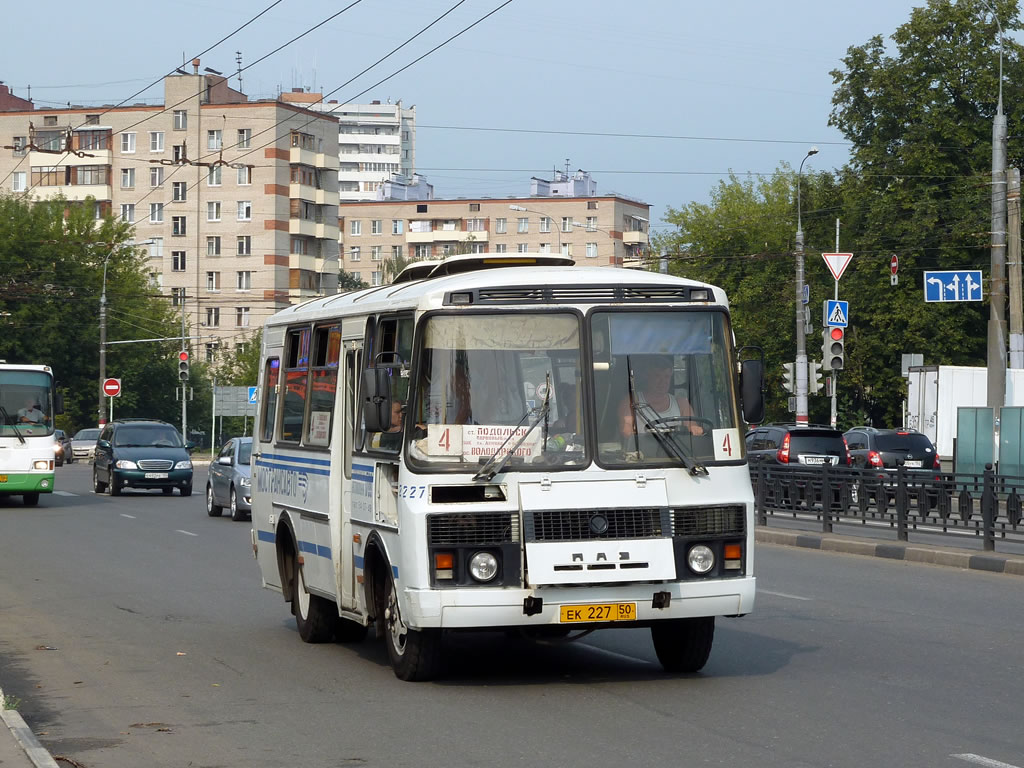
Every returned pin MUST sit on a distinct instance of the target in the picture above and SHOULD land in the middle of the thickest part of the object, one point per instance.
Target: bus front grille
(473, 529)
(592, 524)
(708, 521)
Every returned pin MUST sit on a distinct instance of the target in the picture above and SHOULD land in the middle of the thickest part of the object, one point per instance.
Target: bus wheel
(415, 653)
(30, 499)
(314, 616)
(213, 509)
(683, 645)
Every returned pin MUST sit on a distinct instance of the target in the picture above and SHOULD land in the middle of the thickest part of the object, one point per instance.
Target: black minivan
(141, 453)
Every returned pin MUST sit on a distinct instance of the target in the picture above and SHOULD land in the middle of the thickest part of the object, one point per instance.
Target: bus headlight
(41, 464)
(700, 558)
(125, 464)
(483, 566)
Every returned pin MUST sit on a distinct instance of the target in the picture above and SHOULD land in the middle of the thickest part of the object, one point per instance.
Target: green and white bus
(28, 403)
(482, 447)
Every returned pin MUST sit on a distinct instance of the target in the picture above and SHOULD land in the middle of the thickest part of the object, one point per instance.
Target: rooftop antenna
(238, 61)
(567, 167)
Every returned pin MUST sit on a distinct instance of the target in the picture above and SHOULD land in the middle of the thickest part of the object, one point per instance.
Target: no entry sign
(111, 387)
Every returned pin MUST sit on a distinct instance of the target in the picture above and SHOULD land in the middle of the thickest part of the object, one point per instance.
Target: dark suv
(141, 453)
(887, 449)
(785, 445)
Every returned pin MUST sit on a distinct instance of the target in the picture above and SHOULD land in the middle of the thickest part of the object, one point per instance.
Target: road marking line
(64, 493)
(782, 594)
(187, 533)
(986, 761)
(130, 517)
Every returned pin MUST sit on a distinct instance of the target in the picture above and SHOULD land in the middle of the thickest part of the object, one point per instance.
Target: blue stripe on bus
(362, 467)
(298, 459)
(266, 536)
(362, 478)
(307, 470)
(315, 549)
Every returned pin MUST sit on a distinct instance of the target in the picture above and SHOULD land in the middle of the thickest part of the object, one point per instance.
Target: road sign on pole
(837, 263)
(953, 285)
(112, 387)
(837, 313)
(894, 265)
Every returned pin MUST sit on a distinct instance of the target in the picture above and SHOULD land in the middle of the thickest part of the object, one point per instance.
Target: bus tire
(213, 509)
(683, 645)
(415, 653)
(97, 486)
(314, 617)
(30, 499)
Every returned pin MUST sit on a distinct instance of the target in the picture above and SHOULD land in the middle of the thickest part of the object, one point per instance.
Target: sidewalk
(19, 747)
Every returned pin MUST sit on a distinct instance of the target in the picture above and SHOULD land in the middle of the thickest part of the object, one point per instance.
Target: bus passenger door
(355, 499)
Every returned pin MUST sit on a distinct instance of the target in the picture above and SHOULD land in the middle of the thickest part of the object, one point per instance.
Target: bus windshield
(496, 384)
(664, 388)
(26, 404)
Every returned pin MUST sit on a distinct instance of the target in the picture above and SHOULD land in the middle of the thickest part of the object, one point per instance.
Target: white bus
(483, 448)
(28, 447)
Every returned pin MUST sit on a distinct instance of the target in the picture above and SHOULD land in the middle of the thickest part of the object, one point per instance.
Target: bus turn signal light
(733, 556)
(444, 565)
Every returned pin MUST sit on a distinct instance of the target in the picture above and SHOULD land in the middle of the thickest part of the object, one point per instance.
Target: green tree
(349, 282)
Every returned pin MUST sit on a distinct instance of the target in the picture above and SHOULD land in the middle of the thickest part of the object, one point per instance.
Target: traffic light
(833, 348)
(183, 365)
(789, 377)
(814, 382)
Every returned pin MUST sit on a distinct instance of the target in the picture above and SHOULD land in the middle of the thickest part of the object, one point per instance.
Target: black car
(791, 445)
(141, 453)
(885, 450)
(64, 454)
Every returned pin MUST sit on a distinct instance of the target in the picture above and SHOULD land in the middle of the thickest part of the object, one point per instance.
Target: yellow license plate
(577, 614)
(3, 478)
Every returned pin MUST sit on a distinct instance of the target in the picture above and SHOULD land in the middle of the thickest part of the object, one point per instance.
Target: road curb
(26, 739)
(968, 560)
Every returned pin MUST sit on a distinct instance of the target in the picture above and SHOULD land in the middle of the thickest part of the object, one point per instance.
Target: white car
(83, 444)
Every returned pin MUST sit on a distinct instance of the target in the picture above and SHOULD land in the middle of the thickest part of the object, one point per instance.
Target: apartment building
(235, 200)
(565, 216)
(375, 141)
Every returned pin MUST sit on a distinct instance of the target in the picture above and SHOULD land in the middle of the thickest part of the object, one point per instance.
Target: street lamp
(558, 229)
(801, 341)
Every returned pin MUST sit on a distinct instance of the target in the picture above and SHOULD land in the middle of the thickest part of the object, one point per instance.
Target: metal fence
(985, 507)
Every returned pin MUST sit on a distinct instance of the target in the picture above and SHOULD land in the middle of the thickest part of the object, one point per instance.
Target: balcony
(304, 261)
(447, 236)
(327, 231)
(301, 191)
(634, 238)
(93, 157)
(304, 227)
(326, 197)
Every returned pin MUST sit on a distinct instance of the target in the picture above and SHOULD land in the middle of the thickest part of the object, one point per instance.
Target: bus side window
(392, 345)
(296, 384)
(271, 377)
(353, 441)
(326, 356)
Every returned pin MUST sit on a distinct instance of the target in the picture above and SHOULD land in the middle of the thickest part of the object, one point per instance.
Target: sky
(733, 86)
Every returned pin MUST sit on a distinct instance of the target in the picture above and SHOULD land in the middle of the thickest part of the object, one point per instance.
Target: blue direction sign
(837, 313)
(252, 394)
(954, 285)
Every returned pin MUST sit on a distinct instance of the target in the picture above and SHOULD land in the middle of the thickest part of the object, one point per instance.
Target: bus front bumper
(482, 608)
(26, 482)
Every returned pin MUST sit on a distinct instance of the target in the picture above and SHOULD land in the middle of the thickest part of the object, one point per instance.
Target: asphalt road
(135, 632)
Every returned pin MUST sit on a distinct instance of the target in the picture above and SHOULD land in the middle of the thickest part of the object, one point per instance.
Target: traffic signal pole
(184, 382)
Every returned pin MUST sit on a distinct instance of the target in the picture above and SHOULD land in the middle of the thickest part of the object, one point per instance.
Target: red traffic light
(183, 356)
(836, 334)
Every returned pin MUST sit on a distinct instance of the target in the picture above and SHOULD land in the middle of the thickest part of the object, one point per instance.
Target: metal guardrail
(957, 505)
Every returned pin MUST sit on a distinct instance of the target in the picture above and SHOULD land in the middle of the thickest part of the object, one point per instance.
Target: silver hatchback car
(230, 483)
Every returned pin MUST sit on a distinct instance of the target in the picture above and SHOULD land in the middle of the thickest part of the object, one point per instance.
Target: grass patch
(11, 702)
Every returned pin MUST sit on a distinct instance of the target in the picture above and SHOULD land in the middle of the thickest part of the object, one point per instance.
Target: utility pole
(103, 340)
(184, 383)
(801, 335)
(1013, 263)
(997, 291)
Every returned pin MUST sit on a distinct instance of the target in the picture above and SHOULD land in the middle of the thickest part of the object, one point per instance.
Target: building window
(423, 250)
(374, 253)
(544, 248)
(156, 141)
(156, 213)
(244, 138)
(243, 280)
(156, 247)
(591, 223)
(564, 247)
(545, 224)
(180, 119)
(19, 144)
(127, 178)
(46, 176)
(128, 143)
(500, 248)
(245, 210)
(213, 210)
(213, 177)
(178, 153)
(521, 248)
(178, 227)
(500, 226)
(396, 226)
(213, 317)
(211, 351)
(156, 177)
(242, 317)
(244, 245)
(396, 252)
(245, 175)
(591, 250)
(355, 228)
(592, 205)
(213, 281)
(18, 181)
(179, 191)
(128, 212)
(353, 254)
(567, 224)
(177, 261)
(213, 245)
(523, 225)
(474, 225)
(300, 246)
(376, 278)
(214, 140)
(376, 227)
(177, 297)
(474, 206)
(421, 208)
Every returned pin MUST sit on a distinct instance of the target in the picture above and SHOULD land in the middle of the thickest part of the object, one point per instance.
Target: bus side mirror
(752, 390)
(377, 399)
(58, 402)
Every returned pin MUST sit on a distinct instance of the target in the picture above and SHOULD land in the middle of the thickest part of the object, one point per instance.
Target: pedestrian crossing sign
(837, 313)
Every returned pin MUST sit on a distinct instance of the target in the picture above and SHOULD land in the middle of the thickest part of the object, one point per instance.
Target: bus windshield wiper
(7, 417)
(665, 439)
(490, 469)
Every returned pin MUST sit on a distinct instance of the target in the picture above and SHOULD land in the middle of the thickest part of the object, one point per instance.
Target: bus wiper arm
(490, 469)
(7, 417)
(669, 442)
